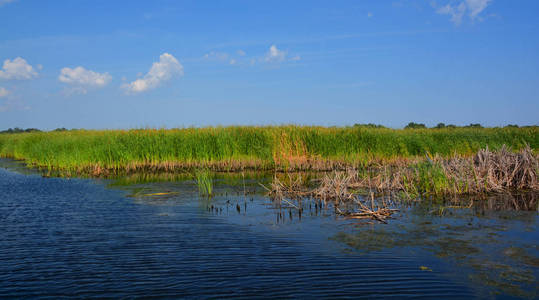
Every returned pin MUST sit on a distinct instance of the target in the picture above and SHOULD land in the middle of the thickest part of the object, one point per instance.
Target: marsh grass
(204, 182)
(283, 148)
(485, 172)
(500, 171)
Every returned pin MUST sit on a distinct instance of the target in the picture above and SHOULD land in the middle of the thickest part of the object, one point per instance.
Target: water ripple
(75, 238)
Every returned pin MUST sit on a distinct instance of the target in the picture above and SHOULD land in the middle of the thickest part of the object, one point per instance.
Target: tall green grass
(427, 178)
(204, 182)
(259, 147)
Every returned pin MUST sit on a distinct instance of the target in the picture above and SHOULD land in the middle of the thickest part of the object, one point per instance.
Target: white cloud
(275, 55)
(233, 62)
(3, 92)
(241, 52)
(79, 76)
(163, 70)
(369, 14)
(81, 80)
(17, 68)
(458, 10)
(475, 7)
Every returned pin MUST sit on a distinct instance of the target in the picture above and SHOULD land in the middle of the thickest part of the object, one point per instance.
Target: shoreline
(486, 172)
(416, 161)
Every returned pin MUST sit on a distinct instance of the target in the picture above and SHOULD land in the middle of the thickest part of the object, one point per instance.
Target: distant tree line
(369, 125)
(20, 130)
(413, 125)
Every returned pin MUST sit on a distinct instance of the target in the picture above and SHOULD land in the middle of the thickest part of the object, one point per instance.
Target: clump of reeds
(204, 182)
(486, 172)
(504, 169)
(293, 188)
(335, 186)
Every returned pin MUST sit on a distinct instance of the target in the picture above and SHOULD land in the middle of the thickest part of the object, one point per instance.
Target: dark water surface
(89, 238)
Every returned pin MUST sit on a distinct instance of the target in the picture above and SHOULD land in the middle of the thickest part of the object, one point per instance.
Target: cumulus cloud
(275, 55)
(3, 92)
(241, 52)
(81, 79)
(459, 9)
(166, 68)
(17, 68)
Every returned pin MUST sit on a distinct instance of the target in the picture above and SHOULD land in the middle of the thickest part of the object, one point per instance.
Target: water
(90, 238)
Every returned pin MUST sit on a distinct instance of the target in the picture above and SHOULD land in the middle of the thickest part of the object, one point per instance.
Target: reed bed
(280, 148)
(500, 171)
(487, 172)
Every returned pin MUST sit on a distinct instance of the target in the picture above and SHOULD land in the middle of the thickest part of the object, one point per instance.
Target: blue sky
(133, 64)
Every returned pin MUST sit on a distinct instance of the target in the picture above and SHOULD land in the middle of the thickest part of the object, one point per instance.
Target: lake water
(118, 238)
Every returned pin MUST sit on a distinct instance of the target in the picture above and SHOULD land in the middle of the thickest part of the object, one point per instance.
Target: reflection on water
(153, 235)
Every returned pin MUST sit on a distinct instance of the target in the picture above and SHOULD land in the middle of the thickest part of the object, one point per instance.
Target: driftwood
(332, 187)
(375, 213)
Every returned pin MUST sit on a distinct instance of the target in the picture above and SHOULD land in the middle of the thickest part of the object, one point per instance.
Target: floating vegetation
(160, 194)
(423, 268)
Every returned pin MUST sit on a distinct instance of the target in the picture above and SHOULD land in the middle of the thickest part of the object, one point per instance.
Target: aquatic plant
(236, 148)
(486, 172)
(204, 182)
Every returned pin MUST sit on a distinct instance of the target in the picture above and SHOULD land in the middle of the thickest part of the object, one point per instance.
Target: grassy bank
(236, 148)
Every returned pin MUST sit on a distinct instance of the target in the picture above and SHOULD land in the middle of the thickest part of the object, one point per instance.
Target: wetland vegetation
(418, 161)
(466, 246)
(249, 147)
